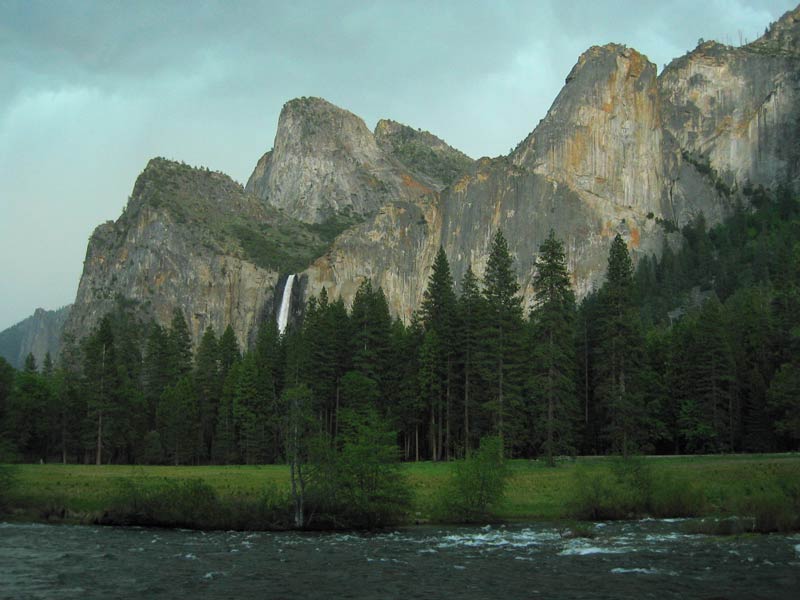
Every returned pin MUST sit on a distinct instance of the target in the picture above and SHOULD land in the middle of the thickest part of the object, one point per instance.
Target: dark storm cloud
(90, 90)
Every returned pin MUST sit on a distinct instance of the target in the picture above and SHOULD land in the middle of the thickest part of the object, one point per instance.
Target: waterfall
(286, 301)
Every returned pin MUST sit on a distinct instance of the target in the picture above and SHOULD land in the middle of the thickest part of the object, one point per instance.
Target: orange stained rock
(412, 183)
(635, 236)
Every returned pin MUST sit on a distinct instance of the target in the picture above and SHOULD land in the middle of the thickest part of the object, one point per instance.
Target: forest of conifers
(697, 351)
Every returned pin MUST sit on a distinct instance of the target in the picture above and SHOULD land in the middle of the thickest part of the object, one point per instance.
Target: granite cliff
(193, 239)
(38, 334)
(622, 149)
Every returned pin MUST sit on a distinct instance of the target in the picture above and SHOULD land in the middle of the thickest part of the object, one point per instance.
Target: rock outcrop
(621, 150)
(39, 335)
(191, 239)
(428, 157)
(326, 162)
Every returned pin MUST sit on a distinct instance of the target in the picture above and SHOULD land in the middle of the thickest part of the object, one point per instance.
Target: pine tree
(101, 381)
(179, 423)
(707, 413)
(502, 335)
(371, 332)
(208, 385)
(225, 449)
(438, 314)
(229, 352)
(553, 361)
(430, 386)
(156, 371)
(250, 411)
(471, 309)
(180, 346)
(621, 348)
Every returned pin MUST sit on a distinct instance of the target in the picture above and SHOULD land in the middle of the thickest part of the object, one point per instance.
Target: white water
(286, 301)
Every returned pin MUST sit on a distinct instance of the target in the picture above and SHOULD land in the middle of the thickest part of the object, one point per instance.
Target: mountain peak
(782, 36)
(326, 162)
(422, 152)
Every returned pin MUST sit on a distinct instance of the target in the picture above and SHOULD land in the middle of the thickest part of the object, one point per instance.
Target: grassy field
(534, 492)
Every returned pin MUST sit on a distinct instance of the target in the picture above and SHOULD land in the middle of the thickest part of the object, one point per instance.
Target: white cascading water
(286, 301)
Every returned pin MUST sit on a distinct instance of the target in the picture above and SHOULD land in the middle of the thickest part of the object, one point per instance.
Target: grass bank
(720, 486)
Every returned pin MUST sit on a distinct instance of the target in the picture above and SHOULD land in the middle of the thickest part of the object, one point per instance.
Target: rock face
(621, 150)
(192, 239)
(38, 334)
(736, 109)
(326, 162)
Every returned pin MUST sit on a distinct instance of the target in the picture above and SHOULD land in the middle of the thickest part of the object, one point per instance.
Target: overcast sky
(89, 91)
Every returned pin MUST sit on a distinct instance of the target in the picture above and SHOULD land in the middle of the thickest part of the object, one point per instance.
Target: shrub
(359, 484)
(772, 508)
(477, 485)
(673, 497)
(192, 503)
(598, 496)
(8, 479)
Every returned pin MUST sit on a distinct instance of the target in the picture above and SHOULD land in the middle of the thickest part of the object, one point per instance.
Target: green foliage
(553, 358)
(503, 340)
(444, 165)
(477, 485)
(358, 482)
(227, 220)
(8, 480)
(619, 356)
(628, 488)
(191, 503)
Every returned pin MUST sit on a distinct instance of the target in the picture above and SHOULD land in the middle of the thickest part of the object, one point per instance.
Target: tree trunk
(466, 409)
(447, 443)
(99, 454)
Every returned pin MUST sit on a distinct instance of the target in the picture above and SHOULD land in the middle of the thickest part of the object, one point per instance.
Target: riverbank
(721, 486)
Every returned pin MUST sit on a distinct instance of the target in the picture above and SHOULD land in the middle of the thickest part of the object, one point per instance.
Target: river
(643, 559)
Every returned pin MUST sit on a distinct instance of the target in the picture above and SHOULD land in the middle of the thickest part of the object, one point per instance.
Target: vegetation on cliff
(226, 220)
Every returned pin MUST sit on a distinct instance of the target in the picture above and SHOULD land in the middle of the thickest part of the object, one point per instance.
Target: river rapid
(642, 559)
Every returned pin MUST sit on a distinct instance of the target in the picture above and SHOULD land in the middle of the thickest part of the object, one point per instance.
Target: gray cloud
(91, 90)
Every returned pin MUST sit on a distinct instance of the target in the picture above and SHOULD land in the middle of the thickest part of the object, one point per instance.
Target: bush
(772, 508)
(598, 496)
(628, 489)
(8, 479)
(360, 484)
(674, 497)
(476, 487)
(194, 504)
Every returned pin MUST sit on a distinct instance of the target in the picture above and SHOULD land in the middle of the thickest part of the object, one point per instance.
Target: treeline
(697, 351)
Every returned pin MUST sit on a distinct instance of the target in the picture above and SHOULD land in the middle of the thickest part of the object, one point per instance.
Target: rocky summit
(623, 149)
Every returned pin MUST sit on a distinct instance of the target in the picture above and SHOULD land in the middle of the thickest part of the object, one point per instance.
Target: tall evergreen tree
(179, 422)
(553, 359)
(225, 448)
(707, 415)
(471, 309)
(371, 327)
(101, 381)
(502, 336)
(180, 345)
(621, 350)
(229, 352)
(208, 385)
(438, 314)
(250, 410)
(156, 370)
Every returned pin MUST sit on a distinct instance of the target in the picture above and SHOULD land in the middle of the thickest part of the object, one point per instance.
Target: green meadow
(722, 485)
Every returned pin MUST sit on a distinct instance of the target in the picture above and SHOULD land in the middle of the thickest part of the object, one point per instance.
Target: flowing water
(644, 559)
(286, 303)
